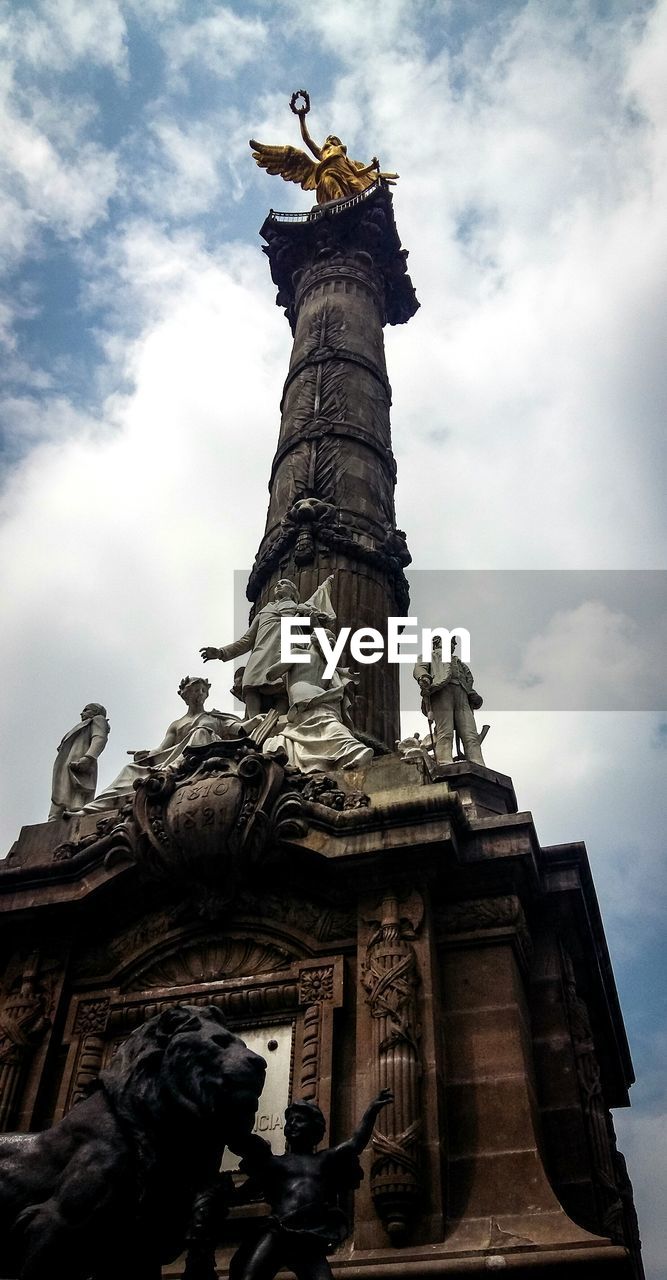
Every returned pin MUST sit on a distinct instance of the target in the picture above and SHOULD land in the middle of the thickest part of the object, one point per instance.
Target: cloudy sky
(143, 358)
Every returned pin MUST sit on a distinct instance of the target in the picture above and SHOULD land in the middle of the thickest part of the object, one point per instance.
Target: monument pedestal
(407, 933)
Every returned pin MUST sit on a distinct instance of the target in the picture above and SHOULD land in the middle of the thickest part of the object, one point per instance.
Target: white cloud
(192, 168)
(221, 42)
(588, 656)
(53, 175)
(70, 193)
(537, 249)
(58, 34)
(107, 520)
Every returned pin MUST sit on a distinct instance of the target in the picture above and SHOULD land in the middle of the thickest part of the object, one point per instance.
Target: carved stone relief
(24, 1020)
(503, 913)
(207, 960)
(390, 978)
(317, 987)
(596, 1114)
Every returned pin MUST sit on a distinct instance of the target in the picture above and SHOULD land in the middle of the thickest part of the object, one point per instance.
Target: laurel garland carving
(390, 556)
(390, 977)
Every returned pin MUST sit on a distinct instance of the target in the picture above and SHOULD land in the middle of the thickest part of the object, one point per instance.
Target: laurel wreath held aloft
(300, 93)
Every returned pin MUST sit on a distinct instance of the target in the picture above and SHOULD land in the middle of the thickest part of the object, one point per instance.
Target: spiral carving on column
(391, 979)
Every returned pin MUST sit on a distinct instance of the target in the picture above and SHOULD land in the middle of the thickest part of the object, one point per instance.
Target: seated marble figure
(317, 733)
(197, 727)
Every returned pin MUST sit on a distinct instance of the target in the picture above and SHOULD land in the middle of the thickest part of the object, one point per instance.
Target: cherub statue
(302, 1187)
(333, 176)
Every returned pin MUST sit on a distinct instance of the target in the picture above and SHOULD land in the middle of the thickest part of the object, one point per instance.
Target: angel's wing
(289, 162)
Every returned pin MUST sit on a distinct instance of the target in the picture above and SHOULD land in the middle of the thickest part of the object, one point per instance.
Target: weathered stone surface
(341, 278)
(398, 920)
(490, 1047)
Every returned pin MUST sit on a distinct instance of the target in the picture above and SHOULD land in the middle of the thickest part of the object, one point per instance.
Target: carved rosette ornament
(91, 1022)
(316, 988)
(198, 823)
(390, 978)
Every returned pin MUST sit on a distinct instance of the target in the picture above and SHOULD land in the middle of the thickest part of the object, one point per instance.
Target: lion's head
(186, 1066)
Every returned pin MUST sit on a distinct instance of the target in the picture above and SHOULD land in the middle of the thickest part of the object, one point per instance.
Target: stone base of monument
(421, 939)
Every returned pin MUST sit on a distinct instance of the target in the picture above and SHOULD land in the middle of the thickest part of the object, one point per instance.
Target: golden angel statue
(332, 175)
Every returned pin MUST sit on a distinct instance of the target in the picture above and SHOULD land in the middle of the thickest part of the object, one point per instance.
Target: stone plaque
(274, 1043)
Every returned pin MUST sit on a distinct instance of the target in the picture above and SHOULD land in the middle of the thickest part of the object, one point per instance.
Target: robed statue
(332, 175)
(75, 769)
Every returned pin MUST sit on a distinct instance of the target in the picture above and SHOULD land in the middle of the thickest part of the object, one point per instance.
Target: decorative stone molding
(320, 991)
(310, 1053)
(365, 231)
(605, 1163)
(321, 921)
(342, 536)
(492, 916)
(261, 984)
(207, 960)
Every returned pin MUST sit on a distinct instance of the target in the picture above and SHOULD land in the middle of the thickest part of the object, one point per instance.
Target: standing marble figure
(260, 691)
(302, 1187)
(75, 769)
(448, 693)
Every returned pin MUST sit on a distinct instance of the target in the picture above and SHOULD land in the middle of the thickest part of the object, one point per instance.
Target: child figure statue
(302, 1187)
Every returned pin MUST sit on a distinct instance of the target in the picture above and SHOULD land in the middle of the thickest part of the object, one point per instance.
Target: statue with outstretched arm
(332, 175)
(262, 641)
(302, 1188)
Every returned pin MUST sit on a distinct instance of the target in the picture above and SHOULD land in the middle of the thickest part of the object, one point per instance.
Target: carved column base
(396, 1202)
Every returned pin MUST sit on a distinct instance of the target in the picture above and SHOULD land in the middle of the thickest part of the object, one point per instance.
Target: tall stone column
(341, 276)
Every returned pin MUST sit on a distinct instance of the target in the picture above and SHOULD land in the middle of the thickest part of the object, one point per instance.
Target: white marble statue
(414, 748)
(196, 728)
(75, 769)
(317, 732)
(262, 640)
(449, 699)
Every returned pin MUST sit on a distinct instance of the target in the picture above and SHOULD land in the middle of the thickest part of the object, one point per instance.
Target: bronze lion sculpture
(110, 1189)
